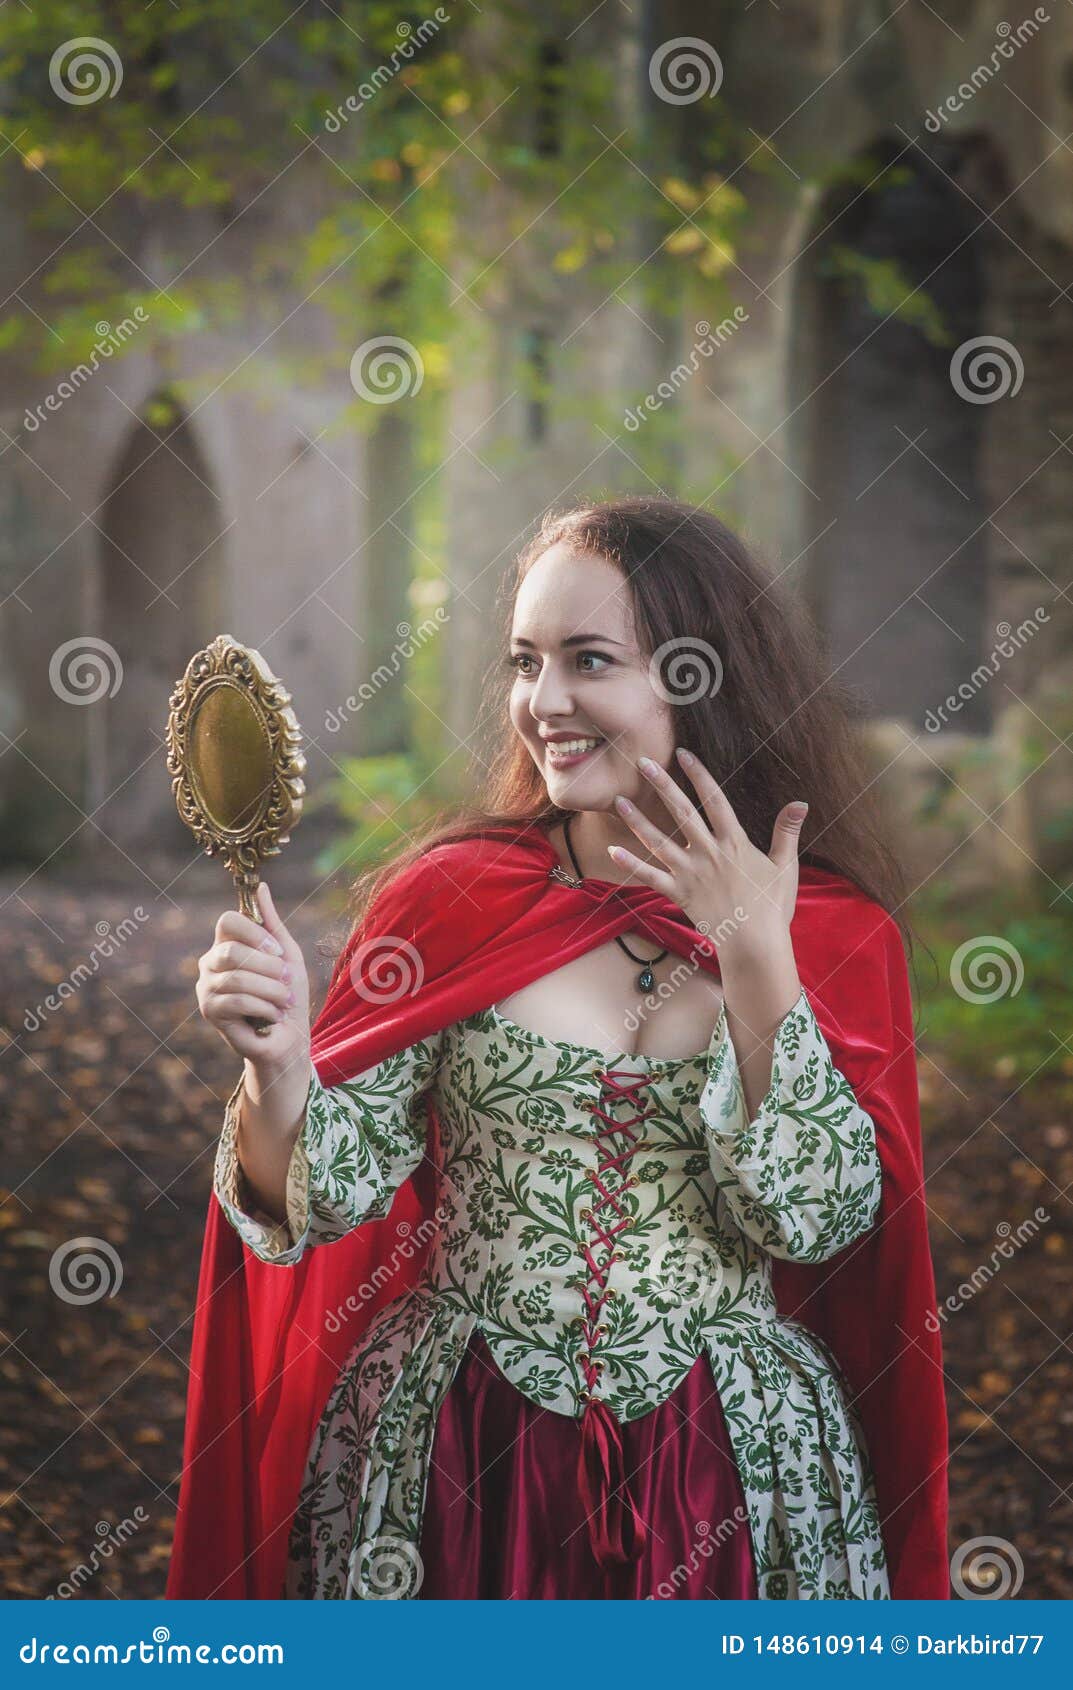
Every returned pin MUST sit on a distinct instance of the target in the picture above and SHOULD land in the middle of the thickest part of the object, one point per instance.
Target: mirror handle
(246, 886)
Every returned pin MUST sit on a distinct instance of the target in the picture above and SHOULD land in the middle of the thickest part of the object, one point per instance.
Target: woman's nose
(550, 696)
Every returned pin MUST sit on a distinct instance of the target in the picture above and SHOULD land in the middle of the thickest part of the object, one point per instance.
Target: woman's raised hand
(257, 971)
(718, 876)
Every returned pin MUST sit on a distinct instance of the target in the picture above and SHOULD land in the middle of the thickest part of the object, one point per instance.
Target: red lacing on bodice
(616, 1530)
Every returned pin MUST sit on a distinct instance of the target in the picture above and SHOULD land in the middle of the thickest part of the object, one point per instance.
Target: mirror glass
(230, 758)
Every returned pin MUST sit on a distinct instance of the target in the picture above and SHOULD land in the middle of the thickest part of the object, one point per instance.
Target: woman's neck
(591, 832)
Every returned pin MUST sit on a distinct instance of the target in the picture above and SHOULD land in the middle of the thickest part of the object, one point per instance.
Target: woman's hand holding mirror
(258, 972)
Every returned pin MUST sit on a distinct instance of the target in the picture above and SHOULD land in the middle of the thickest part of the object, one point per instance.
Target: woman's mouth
(564, 753)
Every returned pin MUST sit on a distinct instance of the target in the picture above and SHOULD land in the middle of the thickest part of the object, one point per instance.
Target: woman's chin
(571, 782)
(580, 795)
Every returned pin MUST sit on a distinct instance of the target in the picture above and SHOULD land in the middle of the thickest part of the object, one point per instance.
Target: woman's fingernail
(285, 973)
(290, 997)
(272, 945)
(623, 804)
(647, 765)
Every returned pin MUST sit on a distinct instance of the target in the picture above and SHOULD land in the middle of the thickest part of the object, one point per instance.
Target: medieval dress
(598, 1287)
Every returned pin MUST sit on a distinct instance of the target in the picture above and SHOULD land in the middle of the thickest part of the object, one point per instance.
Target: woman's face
(596, 687)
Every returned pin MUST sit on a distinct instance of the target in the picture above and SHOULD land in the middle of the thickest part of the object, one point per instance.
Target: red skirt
(524, 1504)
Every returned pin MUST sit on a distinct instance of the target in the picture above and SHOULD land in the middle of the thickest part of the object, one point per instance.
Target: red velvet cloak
(461, 928)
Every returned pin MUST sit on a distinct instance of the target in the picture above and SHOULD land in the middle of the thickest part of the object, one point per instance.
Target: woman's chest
(595, 1000)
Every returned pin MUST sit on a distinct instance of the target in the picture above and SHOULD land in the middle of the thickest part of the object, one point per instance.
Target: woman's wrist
(755, 942)
(760, 987)
(277, 1092)
(761, 975)
(270, 1120)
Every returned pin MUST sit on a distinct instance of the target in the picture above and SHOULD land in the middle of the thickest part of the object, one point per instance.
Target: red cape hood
(472, 922)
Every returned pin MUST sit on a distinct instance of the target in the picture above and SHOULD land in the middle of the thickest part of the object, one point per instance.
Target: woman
(642, 1125)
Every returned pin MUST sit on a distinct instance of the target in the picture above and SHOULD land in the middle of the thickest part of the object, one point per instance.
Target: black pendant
(646, 979)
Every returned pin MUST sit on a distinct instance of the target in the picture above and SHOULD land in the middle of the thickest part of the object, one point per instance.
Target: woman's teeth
(570, 747)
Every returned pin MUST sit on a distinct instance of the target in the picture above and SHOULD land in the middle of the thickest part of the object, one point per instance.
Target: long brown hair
(777, 727)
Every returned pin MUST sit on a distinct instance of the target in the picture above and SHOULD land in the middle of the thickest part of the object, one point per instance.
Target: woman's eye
(519, 657)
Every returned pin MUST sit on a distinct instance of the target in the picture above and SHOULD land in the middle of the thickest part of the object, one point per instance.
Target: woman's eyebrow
(574, 639)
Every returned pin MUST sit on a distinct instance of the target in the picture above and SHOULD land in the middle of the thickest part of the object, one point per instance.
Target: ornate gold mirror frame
(233, 751)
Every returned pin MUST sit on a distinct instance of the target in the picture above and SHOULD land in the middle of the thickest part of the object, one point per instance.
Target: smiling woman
(633, 1045)
(647, 624)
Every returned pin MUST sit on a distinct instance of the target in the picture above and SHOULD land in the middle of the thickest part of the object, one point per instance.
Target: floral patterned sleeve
(358, 1142)
(803, 1177)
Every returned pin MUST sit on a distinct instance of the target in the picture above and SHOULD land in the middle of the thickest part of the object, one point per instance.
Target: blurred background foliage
(384, 245)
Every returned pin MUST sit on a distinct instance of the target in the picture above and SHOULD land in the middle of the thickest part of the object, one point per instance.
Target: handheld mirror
(233, 749)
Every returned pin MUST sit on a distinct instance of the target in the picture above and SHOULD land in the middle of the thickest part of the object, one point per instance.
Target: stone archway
(882, 437)
(160, 592)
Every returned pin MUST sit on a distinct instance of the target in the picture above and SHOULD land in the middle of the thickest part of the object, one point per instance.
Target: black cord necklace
(646, 979)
